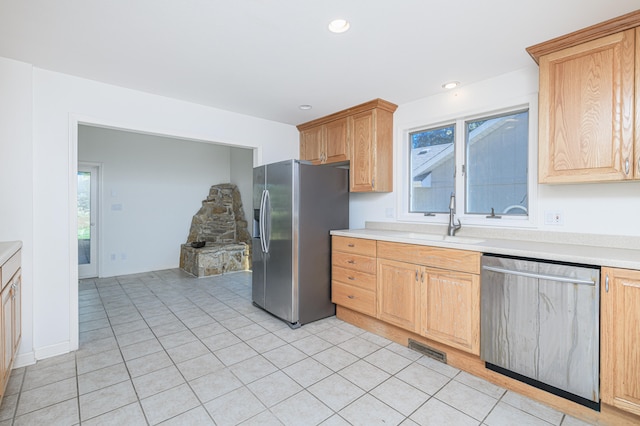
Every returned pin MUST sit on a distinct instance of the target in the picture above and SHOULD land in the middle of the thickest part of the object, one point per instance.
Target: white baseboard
(22, 360)
(53, 350)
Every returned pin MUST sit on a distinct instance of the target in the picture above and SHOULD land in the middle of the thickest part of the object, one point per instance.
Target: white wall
(60, 102)
(16, 181)
(603, 208)
(151, 188)
(242, 176)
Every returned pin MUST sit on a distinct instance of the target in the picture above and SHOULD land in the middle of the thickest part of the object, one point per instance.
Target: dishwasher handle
(539, 276)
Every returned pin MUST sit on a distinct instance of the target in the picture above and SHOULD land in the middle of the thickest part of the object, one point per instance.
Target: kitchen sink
(444, 238)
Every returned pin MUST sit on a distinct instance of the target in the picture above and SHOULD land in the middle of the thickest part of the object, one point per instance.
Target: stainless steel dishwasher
(540, 324)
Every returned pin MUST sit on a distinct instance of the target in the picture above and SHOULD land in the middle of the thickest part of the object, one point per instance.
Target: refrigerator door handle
(262, 221)
(266, 238)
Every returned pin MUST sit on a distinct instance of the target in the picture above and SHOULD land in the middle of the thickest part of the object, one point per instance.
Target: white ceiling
(264, 58)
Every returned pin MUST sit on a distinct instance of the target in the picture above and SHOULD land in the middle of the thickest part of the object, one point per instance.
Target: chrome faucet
(451, 230)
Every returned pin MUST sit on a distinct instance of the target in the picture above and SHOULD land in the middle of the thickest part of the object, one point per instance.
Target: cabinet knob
(350, 278)
(351, 245)
(351, 296)
(606, 283)
(626, 166)
(351, 261)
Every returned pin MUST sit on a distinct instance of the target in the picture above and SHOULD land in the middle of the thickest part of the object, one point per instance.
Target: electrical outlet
(553, 217)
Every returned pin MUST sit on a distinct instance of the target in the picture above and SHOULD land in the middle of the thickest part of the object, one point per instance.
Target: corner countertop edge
(8, 249)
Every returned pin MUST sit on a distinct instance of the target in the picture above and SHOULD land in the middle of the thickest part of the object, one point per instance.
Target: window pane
(496, 177)
(432, 169)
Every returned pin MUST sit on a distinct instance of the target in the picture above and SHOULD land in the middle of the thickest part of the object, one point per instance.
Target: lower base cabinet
(430, 291)
(353, 274)
(10, 316)
(620, 339)
(7, 333)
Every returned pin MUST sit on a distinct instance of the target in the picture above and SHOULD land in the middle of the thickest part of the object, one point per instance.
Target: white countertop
(575, 253)
(8, 249)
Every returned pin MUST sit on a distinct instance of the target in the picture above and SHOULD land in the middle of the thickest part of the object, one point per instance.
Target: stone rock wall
(221, 223)
(221, 218)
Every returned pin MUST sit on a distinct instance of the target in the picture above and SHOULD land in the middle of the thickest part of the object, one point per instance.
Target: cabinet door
(399, 293)
(587, 111)
(17, 312)
(336, 145)
(7, 334)
(361, 173)
(312, 145)
(620, 333)
(451, 309)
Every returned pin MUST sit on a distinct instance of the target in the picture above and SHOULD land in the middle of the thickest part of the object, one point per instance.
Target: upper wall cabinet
(362, 135)
(326, 143)
(589, 103)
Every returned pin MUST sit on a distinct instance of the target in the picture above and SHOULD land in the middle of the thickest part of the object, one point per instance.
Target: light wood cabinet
(588, 103)
(620, 337)
(336, 141)
(326, 143)
(312, 145)
(10, 317)
(7, 334)
(451, 306)
(353, 274)
(399, 286)
(371, 166)
(432, 291)
(362, 135)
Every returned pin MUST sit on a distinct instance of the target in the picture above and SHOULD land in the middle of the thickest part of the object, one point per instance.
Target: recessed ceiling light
(339, 26)
(451, 85)
(305, 107)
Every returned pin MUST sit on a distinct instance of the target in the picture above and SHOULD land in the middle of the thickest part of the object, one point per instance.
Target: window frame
(405, 179)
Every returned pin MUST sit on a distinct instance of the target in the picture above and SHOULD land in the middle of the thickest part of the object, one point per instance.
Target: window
(432, 169)
(483, 159)
(497, 164)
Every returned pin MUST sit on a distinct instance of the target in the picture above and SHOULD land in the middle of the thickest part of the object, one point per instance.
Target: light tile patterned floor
(165, 348)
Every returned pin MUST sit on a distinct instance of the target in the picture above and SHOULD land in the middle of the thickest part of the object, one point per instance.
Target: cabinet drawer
(9, 268)
(355, 245)
(354, 261)
(437, 257)
(353, 277)
(354, 298)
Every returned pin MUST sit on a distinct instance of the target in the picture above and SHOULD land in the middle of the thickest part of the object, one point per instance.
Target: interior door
(88, 180)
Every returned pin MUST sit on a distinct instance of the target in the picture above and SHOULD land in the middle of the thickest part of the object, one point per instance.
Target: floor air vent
(428, 351)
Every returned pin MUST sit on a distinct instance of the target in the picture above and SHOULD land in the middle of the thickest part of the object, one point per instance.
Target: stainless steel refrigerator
(296, 204)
